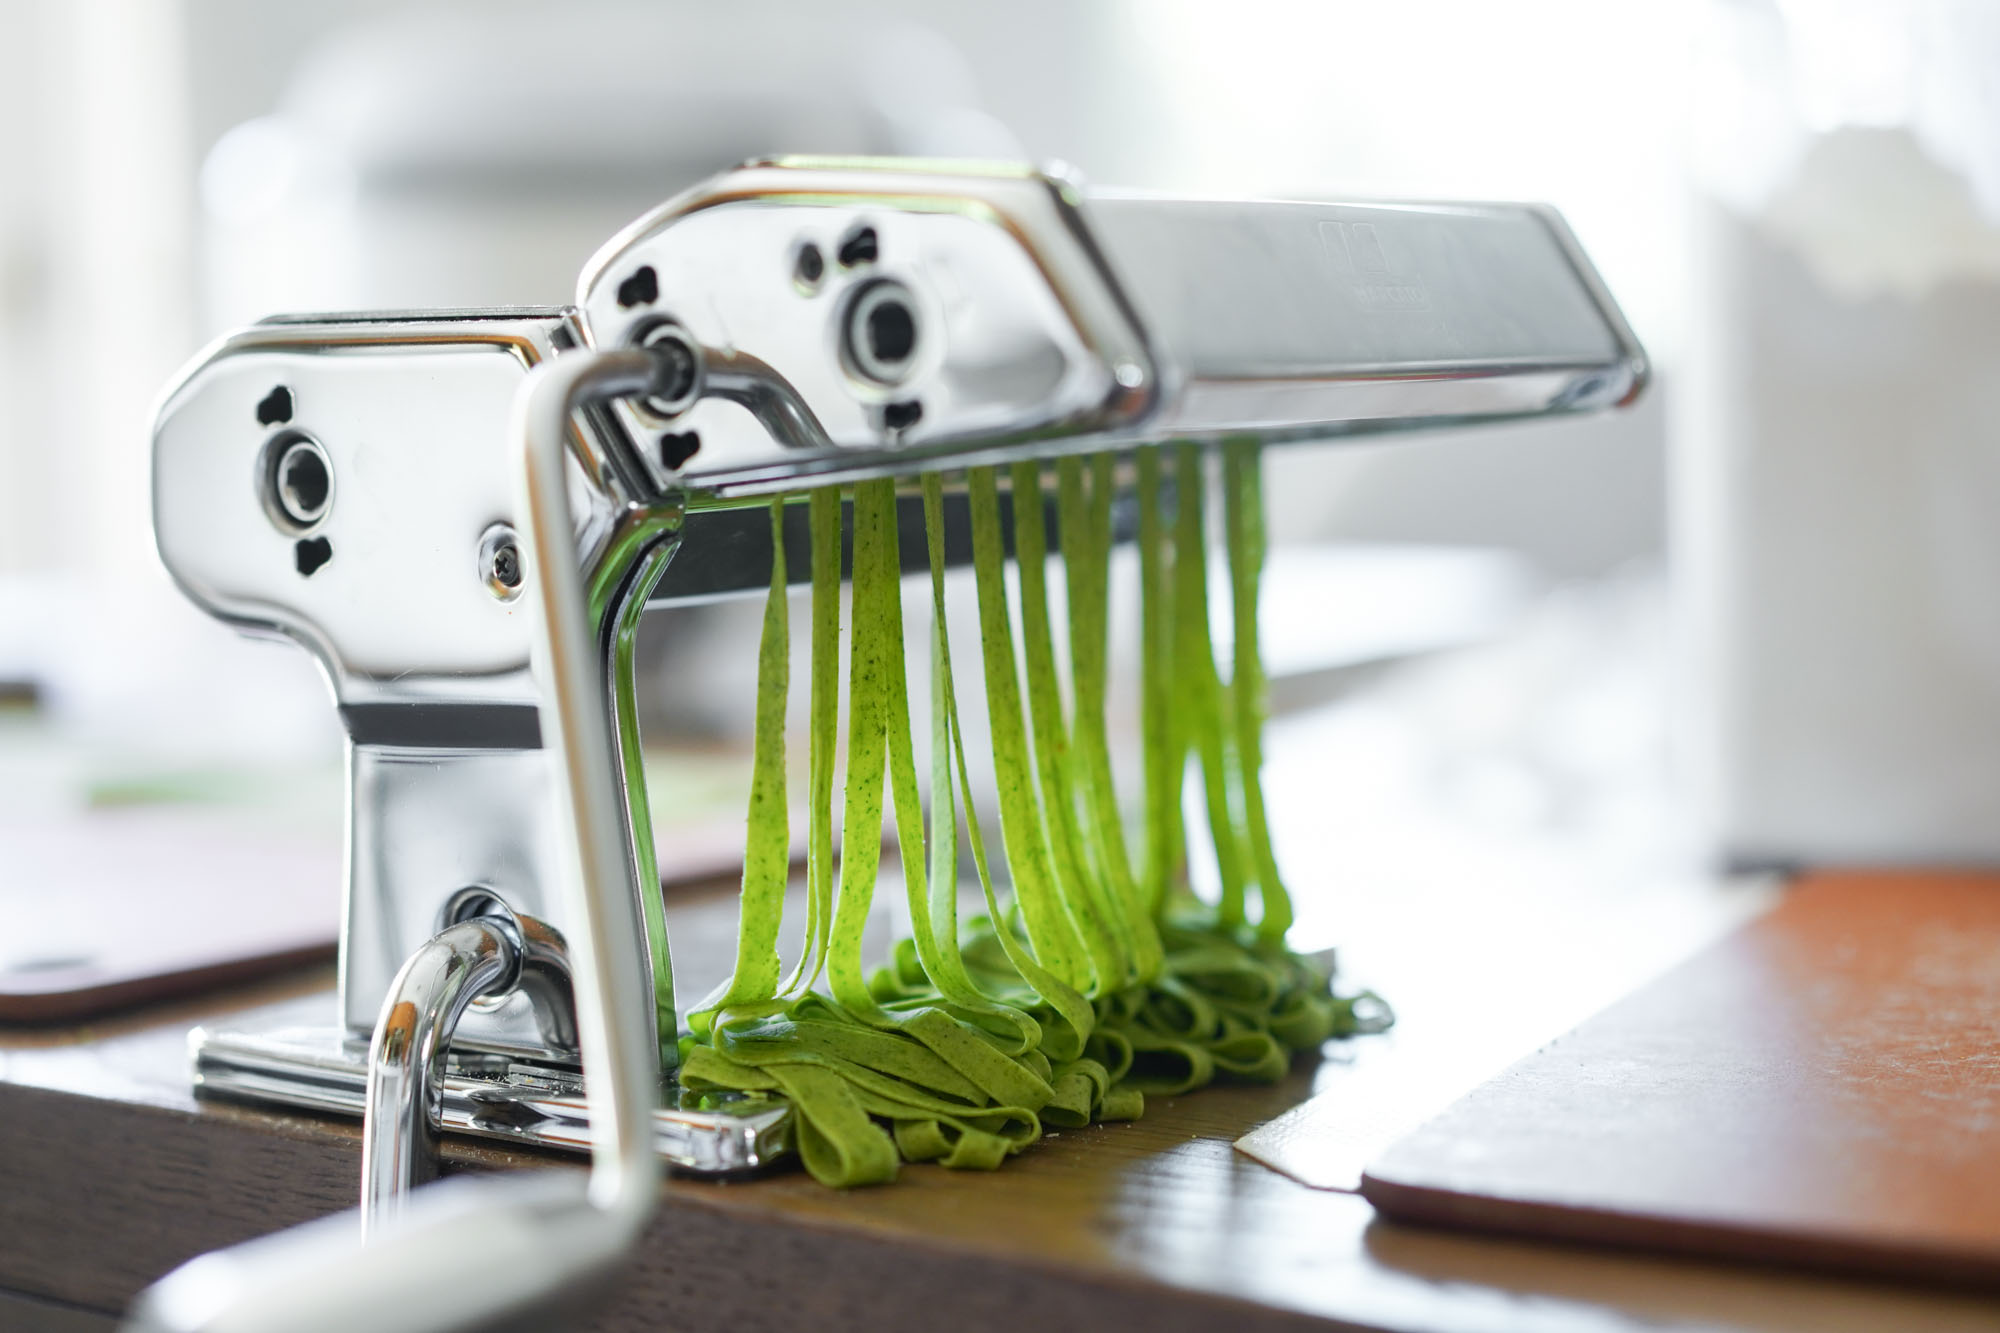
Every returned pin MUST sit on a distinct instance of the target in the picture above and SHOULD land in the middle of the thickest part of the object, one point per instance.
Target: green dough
(1091, 984)
(1162, 739)
(1198, 696)
(767, 854)
(1047, 918)
(1082, 892)
(1243, 514)
(1086, 536)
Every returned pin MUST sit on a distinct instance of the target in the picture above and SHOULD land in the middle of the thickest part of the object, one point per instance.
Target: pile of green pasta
(1097, 980)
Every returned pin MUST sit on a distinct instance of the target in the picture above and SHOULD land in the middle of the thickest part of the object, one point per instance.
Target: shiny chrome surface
(656, 544)
(735, 376)
(1044, 319)
(406, 1059)
(960, 315)
(483, 1096)
(548, 983)
(1019, 326)
(424, 823)
(447, 783)
(410, 414)
(1289, 318)
(536, 1243)
(620, 1039)
(527, 1250)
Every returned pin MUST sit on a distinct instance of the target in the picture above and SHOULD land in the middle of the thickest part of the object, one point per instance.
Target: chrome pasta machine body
(463, 515)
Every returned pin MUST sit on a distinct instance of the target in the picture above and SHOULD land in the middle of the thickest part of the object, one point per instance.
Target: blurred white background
(195, 165)
(1795, 202)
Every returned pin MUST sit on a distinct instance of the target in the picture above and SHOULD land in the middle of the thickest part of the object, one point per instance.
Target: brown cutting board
(1821, 1088)
(109, 909)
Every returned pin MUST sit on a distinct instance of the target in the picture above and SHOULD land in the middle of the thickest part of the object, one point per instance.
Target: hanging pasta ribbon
(1091, 984)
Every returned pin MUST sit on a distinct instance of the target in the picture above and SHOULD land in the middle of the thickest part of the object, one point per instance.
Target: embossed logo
(1357, 254)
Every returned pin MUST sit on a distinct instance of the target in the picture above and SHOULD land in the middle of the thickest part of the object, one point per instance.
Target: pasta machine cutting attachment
(464, 515)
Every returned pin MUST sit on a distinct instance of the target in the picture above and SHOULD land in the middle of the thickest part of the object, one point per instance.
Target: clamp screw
(500, 562)
(507, 567)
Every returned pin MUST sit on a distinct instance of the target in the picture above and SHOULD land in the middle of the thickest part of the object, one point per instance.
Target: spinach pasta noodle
(1097, 976)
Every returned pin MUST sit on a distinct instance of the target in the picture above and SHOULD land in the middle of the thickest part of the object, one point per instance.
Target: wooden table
(111, 1173)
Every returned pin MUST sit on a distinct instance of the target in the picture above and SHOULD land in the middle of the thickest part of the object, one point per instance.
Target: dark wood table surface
(111, 1173)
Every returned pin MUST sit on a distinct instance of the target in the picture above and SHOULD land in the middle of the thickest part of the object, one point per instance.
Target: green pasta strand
(875, 690)
(767, 851)
(1065, 1016)
(1049, 925)
(1163, 744)
(1199, 692)
(938, 1079)
(933, 887)
(823, 513)
(1082, 892)
(1086, 537)
(1097, 987)
(1243, 507)
(861, 802)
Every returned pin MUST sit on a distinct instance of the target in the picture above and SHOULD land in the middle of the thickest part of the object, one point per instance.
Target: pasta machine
(463, 516)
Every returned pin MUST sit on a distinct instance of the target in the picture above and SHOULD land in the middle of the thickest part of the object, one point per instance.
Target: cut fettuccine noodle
(1091, 981)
